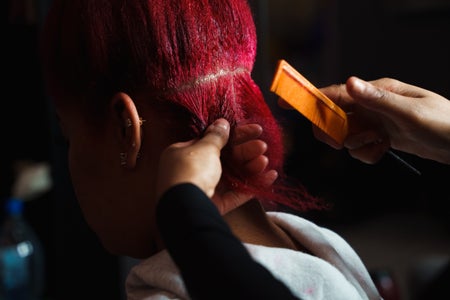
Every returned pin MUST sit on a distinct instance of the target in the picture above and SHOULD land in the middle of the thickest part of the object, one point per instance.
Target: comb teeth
(304, 97)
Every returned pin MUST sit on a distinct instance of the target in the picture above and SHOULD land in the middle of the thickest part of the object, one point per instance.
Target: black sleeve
(214, 264)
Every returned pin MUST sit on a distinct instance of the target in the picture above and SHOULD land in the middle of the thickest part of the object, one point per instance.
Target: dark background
(327, 41)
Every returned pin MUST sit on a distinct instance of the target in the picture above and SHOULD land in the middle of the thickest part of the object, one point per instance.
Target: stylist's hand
(198, 162)
(388, 113)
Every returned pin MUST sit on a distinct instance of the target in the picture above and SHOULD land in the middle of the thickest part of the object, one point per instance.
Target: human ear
(128, 128)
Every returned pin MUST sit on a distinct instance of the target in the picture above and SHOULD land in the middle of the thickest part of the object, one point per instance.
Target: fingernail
(221, 123)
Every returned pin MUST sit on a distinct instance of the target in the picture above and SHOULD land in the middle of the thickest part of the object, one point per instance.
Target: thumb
(217, 133)
(374, 98)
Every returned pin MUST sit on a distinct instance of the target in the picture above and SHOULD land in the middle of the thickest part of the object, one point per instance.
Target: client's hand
(198, 162)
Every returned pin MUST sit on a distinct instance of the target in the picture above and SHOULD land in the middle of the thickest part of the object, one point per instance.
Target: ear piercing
(129, 123)
(123, 158)
(124, 155)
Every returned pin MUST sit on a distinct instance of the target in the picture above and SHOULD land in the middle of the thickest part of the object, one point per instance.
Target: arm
(213, 262)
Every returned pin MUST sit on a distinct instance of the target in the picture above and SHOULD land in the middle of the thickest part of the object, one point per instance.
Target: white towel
(332, 270)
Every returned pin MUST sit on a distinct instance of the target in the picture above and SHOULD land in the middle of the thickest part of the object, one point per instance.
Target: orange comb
(304, 97)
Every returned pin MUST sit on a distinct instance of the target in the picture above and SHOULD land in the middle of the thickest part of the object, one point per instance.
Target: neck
(251, 225)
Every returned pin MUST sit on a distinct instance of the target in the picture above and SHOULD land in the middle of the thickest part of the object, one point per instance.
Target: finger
(268, 178)
(377, 98)
(339, 95)
(370, 154)
(364, 138)
(248, 150)
(320, 135)
(217, 133)
(257, 165)
(243, 133)
(399, 87)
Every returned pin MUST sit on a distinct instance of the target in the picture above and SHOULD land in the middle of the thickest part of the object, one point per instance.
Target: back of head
(193, 55)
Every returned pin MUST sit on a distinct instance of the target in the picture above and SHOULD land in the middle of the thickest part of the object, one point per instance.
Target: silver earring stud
(123, 158)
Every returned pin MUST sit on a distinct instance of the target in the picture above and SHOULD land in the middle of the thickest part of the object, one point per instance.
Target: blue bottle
(21, 256)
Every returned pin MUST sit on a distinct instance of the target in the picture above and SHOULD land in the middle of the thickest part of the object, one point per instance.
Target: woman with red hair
(128, 79)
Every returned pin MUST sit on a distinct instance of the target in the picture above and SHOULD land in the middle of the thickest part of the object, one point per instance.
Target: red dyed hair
(194, 54)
